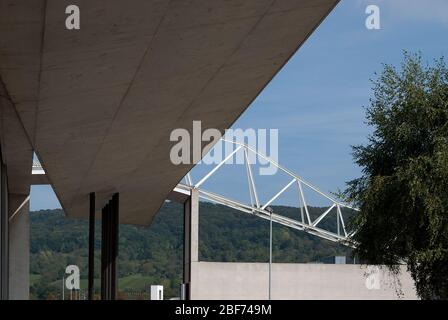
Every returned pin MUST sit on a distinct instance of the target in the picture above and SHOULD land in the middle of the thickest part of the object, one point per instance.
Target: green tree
(403, 191)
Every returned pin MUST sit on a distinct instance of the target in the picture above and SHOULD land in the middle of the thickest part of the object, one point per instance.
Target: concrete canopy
(99, 104)
(17, 153)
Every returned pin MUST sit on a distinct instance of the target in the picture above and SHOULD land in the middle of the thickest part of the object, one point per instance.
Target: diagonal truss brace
(306, 224)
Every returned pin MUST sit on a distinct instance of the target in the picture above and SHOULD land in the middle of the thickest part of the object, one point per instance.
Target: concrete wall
(225, 281)
(4, 239)
(19, 257)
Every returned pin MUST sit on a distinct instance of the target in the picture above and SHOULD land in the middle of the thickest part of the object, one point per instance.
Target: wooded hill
(153, 255)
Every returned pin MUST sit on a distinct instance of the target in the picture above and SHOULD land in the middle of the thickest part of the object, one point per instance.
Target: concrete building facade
(130, 75)
(250, 281)
(97, 105)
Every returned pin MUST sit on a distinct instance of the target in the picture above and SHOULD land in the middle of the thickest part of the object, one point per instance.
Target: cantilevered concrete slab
(99, 103)
(17, 153)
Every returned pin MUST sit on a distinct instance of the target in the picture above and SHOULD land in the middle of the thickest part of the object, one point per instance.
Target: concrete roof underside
(98, 104)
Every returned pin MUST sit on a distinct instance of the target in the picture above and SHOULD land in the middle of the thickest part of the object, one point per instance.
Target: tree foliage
(403, 191)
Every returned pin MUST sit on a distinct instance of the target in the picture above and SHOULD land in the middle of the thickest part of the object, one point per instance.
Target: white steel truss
(306, 223)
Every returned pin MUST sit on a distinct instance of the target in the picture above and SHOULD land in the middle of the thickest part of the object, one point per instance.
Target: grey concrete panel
(19, 254)
(249, 281)
(16, 148)
(109, 95)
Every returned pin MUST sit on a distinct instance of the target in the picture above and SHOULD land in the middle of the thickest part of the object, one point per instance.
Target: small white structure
(156, 292)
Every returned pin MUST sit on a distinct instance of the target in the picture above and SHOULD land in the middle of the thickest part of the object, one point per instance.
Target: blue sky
(317, 99)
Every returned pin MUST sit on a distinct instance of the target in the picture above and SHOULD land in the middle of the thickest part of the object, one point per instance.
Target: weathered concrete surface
(17, 152)
(99, 103)
(191, 237)
(249, 281)
(19, 254)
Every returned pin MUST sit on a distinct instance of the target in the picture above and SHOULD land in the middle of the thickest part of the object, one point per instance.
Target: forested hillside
(153, 255)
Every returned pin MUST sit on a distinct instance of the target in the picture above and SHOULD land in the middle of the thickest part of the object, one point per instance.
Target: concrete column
(4, 239)
(194, 212)
(19, 253)
(191, 240)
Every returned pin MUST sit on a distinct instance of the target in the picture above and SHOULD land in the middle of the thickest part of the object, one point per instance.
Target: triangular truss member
(305, 223)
